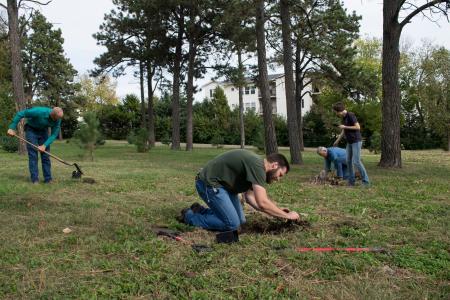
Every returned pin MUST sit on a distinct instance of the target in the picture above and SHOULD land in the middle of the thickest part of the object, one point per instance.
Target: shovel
(75, 174)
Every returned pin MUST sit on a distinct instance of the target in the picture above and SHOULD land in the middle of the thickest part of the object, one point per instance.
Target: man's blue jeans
(354, 158)
(224, 213)
(345, 172)
(38, 137)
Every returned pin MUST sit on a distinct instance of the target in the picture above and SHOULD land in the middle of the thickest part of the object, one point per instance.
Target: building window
(232, 89)
(303, 103)
(211, 93)
(250, 106)
(250, 90)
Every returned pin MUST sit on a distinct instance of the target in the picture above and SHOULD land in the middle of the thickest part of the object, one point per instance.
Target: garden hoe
(75, 174)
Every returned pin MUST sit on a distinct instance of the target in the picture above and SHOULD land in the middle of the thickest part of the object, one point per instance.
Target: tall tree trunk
(190, 95)
(294, 145)
(28, 82)
(298, 96)
(16, 65)
(448, 139)
(176, 85)
(141, 83)
(270, 138)
(390, 138)
(58, 104)
(150, 111)
(241, 98)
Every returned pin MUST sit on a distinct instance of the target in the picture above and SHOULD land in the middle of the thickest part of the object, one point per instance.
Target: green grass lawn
(113, 253)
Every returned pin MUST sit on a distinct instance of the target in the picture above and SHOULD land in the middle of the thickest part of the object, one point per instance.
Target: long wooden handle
(37, 148)
(330, 249)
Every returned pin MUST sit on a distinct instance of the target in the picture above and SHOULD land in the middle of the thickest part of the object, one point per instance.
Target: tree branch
(306, 93)
(419, 10)
(274, 47)
(35, 2)
(305, 65)
(3, 21)
(307, 83)
(3, 5)
(157, 81)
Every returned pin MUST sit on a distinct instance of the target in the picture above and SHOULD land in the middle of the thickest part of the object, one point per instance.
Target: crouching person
(224, 177)
(335, 157)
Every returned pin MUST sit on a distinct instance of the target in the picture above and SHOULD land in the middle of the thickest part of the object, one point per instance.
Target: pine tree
(88, 134)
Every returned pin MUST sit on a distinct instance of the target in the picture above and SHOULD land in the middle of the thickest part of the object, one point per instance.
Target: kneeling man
(231, 173)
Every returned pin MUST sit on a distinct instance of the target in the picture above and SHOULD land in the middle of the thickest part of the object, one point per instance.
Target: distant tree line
(169, 44)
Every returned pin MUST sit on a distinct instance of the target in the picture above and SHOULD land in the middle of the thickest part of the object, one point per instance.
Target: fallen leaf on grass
(67, 230)
(190, 274)
(280, 288)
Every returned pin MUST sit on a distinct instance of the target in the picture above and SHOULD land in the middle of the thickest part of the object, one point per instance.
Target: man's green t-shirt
(235, 170)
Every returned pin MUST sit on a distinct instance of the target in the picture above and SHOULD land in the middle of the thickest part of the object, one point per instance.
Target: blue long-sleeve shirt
(336, 157)
(39, 118)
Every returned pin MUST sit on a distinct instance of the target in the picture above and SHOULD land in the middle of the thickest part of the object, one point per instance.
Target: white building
(252, 95)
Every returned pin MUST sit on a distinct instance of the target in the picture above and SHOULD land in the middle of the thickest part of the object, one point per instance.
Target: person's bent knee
(232, 225)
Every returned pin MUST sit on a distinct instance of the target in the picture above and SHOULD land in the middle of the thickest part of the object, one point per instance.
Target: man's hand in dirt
(11, 132)
(292, 215)
(41, 148)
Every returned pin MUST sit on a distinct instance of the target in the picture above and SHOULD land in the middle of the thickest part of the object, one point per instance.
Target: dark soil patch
(88, 180)
(274, 226)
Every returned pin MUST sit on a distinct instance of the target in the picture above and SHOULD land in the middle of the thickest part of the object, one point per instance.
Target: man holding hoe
(224, 177)
(38, 120)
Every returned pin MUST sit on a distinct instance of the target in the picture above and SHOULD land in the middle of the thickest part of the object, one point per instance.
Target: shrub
(258, 140)
(217, 141)
(9, 144)
(131, 138)
(88, 134)
(165, 140)
(375, 143)
(141, 140)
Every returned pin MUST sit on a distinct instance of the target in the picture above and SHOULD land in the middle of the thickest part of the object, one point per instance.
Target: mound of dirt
(274, 226)
(330, 179)
(88, 180)
(323, 178)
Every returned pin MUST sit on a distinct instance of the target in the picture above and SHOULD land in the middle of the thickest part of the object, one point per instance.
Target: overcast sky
(79, 19)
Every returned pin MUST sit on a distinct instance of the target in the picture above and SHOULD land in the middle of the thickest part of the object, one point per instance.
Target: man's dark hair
(280, 159)
(338, 107)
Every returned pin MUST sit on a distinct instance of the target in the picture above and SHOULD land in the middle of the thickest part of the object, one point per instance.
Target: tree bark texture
(176, 85)
(270, 138)
(298, 97)
(190, 96)
(390, 132)
(141, 84)
(241, 99)
(150, 109)
(448, 139)
(294, 145)
(16, 65)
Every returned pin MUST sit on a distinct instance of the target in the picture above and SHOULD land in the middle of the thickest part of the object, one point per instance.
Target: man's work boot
(197, 208)
(183, 212)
